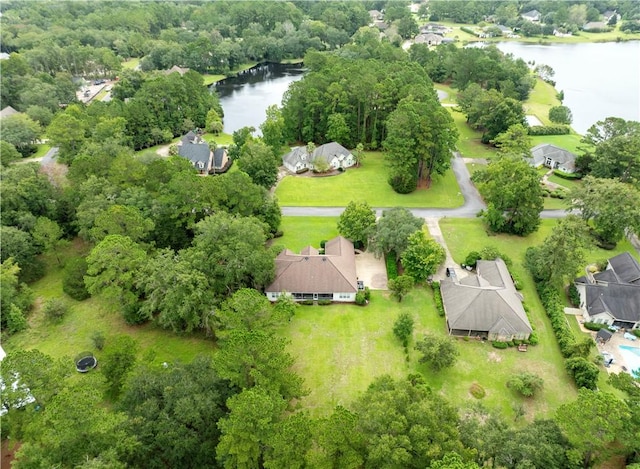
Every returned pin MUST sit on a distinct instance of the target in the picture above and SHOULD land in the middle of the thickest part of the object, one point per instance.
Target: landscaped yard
(541, 99)
(569, 142)
(300, 232)
(73, 334)
(469, 141)
(340, 349)
(369, 183)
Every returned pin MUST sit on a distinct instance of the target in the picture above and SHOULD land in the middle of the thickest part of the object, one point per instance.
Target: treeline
(238, 411)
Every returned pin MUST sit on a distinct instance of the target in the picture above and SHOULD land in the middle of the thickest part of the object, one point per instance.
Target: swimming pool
(631, 357)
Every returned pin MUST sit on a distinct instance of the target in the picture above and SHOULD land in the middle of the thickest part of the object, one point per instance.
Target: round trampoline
(85, 361)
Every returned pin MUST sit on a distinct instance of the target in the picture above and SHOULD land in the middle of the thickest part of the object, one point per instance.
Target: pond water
(246, 97)
(599, 80)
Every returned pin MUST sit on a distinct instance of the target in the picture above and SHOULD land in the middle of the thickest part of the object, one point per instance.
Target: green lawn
(452, 94)
(73, 334)
(469, 141)
(551, 203)
(340, 349)
(220, 139)
(541, 99)
(568, 183)
(131, 63)
(569, 142)
(300, 232)
(368, 182)
(209, 79)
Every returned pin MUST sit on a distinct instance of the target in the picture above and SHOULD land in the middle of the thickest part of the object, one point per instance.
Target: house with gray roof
(8, 111)
(314, 276)
(429, 39)
(595, 25)
(553, 157)
(485, 305)
(612, 296)
(197, 151)
(533, 16)
(335, 155)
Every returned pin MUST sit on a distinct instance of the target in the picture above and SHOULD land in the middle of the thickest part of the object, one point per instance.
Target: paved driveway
(371, 271)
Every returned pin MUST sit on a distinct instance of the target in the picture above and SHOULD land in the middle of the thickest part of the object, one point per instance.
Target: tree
(48, 234)
(422, 257)
(592, 424)
(423, 424)
(118, 359)
(245, 432)
(20, 131)
(249, 358)
(493, 113)
(174, 293)
(511, 188)
(525, 383)
(73, 278)
(273, 130)
(339, 440)
(420, 138)
(561, 254)
(290, 442)
(357, 222)
(609, 205)
(18, 245)
(453, 461)
(560, 115)
(258, 161)
(230, 251)
(214, 122)
(15, 298)
(358, 154)
(8, 153)
(403, 328)
(393, 230)
(438, 352)
(121, 220)
(68, 132)
(112, 269)
(583, 372)
(240, 137)
(174, 413)
(249, 309)
(400, 286)
(514, 141)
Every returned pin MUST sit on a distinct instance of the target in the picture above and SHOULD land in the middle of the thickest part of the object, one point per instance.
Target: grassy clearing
(567, 183)
(209, 79)
(292, 61)
(340, 349)
(132, 63)
(469, 141)
(541, 99)
(551, 203)
(452, 94)
(73, 334)
(368, 182)
(42, 150)
(220, 139)
(569, 142)
(300, 232)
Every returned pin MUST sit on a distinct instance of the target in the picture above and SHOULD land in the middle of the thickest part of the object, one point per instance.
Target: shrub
(490, 253)
(472, 258)
(403, 328)
(563, 175)
(636, 332)
(594, 326)
(310, 302)
(404, 183)
(555, 311)
(510, 343)
(323, 243)
(477, 391)
(559, 194)
(367, 293)
(324, 302)
(533, 339)
(392, 266)
(98, 339)
(73, 279)
(361, 300)
(574, 295)
(517, 282)
(55, 309)
(560, 115)
(437, 297)
(500, 345)
(583, 372)
(549, 130)
(525, 383)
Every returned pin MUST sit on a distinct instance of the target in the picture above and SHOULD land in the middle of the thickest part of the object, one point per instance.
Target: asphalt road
(473, 203)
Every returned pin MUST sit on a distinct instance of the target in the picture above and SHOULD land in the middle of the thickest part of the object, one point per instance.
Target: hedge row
(555, 310)
(392, 266)
(563, 175)
(594, 326)
(468, 30)
(437, 297)
(549, 130)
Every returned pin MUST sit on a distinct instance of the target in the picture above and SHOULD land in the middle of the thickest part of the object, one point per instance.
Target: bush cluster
(468, 30)
(306, 302)
(636, 332)
(549, 130)
(574, 295)
(437, 297)
(361, 298)
(555, 310)
(324, 302)
(500, 345)
(594, 326)
(563, 175)
(55, 309)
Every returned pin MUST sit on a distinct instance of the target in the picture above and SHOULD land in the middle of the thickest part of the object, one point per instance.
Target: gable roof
(175, 68)
(189, 137)
(541, 152)
(626, 268)
(531, 14)
(487, 301)
(326, 152)
(595, 25)
(198, 153)
(604, 334)
(310, 272)
(7, 111)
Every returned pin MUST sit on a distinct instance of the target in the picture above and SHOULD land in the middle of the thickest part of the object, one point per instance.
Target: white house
(533, 16)
(553, 157)
(334, 154)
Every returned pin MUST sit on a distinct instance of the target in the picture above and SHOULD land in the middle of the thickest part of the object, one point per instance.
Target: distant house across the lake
(533, 16)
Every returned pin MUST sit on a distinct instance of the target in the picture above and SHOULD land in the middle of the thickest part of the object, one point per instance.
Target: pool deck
(611, 347)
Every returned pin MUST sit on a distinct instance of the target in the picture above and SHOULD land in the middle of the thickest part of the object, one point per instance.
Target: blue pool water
(631, 357)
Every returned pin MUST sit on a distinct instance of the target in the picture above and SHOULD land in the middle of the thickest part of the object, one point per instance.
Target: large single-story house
(485, 305)
(376, 15)
(196, 150)
(553, 157)
(612, 296)
(337, 156)
(429, 39)
(314, 276)
(533, 16)
(595, 25)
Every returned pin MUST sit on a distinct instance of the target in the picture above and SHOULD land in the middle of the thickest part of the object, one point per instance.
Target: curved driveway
(473, 203)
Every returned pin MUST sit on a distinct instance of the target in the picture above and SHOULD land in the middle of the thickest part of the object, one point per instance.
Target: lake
(245, 98)
(599, 80)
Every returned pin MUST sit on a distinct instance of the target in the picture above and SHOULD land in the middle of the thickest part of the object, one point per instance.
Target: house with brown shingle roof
(485, 305)
(314, 276)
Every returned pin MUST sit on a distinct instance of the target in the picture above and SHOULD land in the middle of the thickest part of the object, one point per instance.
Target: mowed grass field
(470, 141)
(368, 183)
(73, 334)
(300, 232)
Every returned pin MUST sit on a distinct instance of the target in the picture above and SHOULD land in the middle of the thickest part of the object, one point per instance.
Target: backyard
(369, 183)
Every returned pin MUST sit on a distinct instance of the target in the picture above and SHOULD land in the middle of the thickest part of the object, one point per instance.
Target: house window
(344, 296)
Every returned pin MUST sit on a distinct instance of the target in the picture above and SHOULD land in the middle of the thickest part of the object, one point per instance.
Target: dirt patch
(8, 452)
(494, 357)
